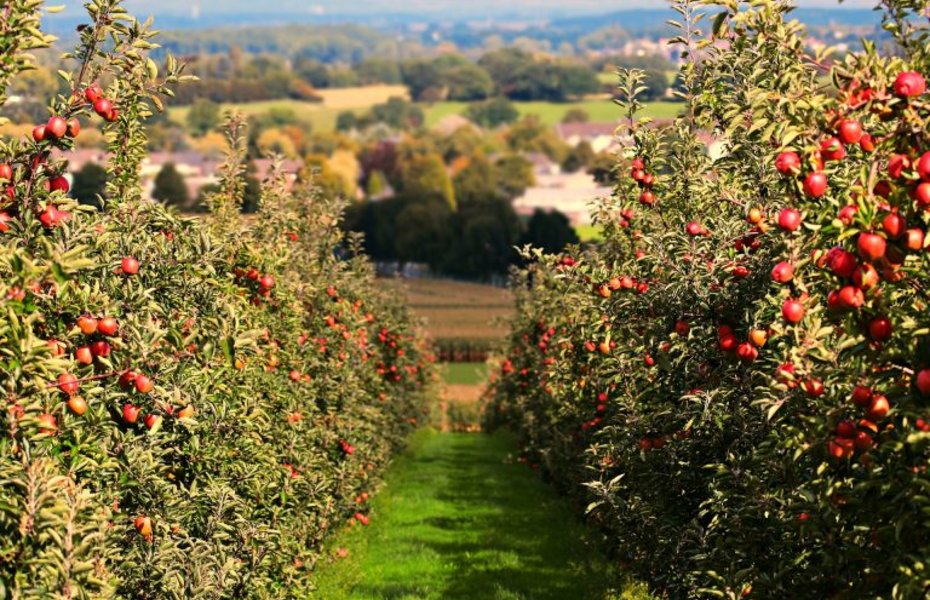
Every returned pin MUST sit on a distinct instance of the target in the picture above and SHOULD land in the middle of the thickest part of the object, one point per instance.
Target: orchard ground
(459, 517)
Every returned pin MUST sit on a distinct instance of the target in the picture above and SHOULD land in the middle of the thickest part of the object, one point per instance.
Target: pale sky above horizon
(432, 7)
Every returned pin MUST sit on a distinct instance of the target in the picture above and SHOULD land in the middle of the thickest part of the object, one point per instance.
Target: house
(569, 193)
(601, 136)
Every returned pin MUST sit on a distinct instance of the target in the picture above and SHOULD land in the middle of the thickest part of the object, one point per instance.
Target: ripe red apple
(922, 381)
(788, 163)
(878, 408)
(897, 164)
(815, 185)
(74, 127)
(861, 395)
(92, 93)
(127, 380)
(792, 310)
(783, 272)
(130, 265)
(747, 352)
(103, 107)
(813, 387)
(56, 127)
(846, 429)
(923, 166)
(832, 149)
(847, 214)
(150, 420)
(863, 441)
(59, 184)
(84, 355)
(6, 172)
(880, 328)
(910, 84)
(894, 225)
(100, 348)
(266, 282)
(647, 198)
(789, 219)
(38, 133)
(851, 297)
(131, 413)
(867, 143)
(68, 384)
(871, 246)
(108, 326)
(47, 423)
(841, 262)
(77, 405)
(143, 384)
(914, 240)
(144, 526)
(850, 131)
(87, 325)
(865, 276)
(187, 412)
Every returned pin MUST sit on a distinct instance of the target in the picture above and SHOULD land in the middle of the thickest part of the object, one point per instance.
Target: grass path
(458, 520)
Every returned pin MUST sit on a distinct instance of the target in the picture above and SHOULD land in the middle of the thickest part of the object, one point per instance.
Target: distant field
(550, 113)
(456, 310)
(320, 115)
(464, 374)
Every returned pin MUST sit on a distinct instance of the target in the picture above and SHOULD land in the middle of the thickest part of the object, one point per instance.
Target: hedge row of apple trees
(737, 381)
(189, 408)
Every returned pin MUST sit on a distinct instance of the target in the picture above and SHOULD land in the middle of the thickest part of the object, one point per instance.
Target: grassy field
(464, 373)
(599, 110)
(322, 116)
(456, 310)
(459, 519)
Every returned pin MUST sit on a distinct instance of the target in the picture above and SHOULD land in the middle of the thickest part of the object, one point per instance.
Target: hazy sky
(477, 7)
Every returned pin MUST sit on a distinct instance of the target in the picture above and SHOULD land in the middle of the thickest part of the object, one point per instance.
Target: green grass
(458, 520)
(589, 233)
(465, 373)
(599, 111)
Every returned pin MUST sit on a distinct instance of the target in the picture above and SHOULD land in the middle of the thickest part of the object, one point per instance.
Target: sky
(432, 7)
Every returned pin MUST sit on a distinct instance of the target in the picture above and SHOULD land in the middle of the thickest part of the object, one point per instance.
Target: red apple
(850, 131)
(56, 127)
(792, 310)
(789, 219)
(880, 328)
(910, 84)
(894, 225)
(131, 413)
(783, 272)
(815, 185)
(788, 163)
(871, 246)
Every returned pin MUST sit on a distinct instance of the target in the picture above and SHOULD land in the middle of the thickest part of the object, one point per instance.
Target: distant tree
(476, 183)
(425, 176)
(378, 70)
(467, 82)
(579, 157)
(487, 236)
(513, 174)
(398, 113)
(422, 77)
(170, 187)
(312, 71)
(603, 169)
(576, 115)
(203, 117)
(531, 135)
(492, 113)
(252, 196)
(656, 83)
(506, 66)
(377, 184)
(89, 184)
(550, 231)
(423, 232)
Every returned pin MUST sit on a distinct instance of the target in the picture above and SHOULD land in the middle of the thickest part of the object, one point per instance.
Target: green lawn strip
(457, 519)
(551, 113)
(464, 373)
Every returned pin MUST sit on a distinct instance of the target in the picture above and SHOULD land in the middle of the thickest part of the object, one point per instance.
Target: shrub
(735, 380)
(190, 406)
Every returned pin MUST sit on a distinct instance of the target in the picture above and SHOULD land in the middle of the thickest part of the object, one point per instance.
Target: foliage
(492, 113)
(191, 407)
(89, 185)
(203, 117)
(170, 187)
(743, 406)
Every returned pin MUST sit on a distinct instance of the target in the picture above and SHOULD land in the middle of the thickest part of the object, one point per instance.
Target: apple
(56, 127)
(792, 310)
(846, 429)
(127, 380)
(922, 381)
(68, 384)
(783, 272)
(59, 184)
(101, 348)
(759, 337)
(897, 164)
(861, 395)
(74, 127)
(77, 405)
(789, 219)
(841, 262)
(788, 163)
(143, 525)
(850, 131)
(847, 214)
(143, 384)
(747, 353)
(914, 239)
(815, 185)
(832, 149)
(6, 172)
(108, 326)
(187, 412)
(878, 408)
(867, 143)
(87, 325)
(871, 246)
(851, 297)
(47, 423)
(131, 413)
(909, 84)
(865, 276)
(894, 225)
(84, 355)
(129, 265)
(38, 133)
(880, 329)
(647, 198)
(103, 107)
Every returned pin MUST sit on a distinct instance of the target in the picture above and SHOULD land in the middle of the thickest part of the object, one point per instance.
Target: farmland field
(457, 310)
(322, 116)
